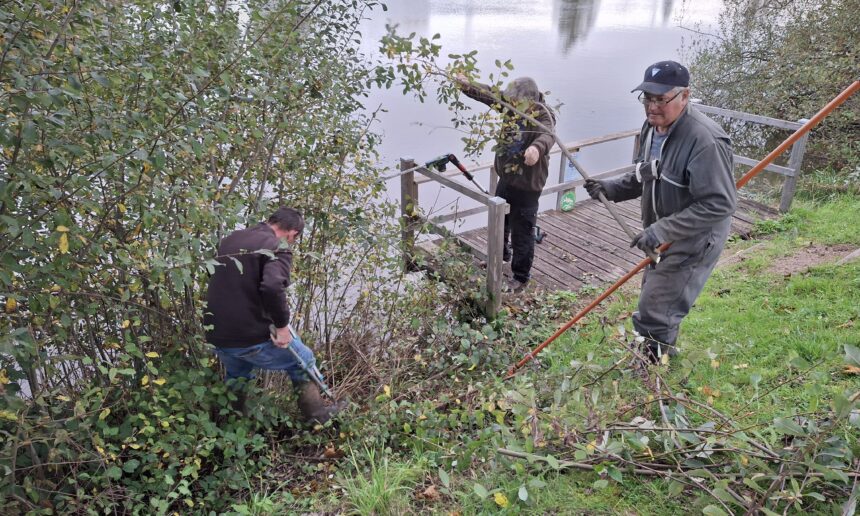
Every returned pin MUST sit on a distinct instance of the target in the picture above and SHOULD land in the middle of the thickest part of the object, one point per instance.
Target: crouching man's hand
(282, 337)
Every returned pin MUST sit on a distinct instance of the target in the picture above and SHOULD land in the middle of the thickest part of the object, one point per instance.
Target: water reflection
(575, 19)
(587, 53)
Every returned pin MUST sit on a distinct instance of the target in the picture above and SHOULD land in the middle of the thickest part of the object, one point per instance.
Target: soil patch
(808, 257)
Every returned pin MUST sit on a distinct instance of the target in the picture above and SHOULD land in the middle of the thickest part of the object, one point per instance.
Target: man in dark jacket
(522, 164)
(246, 296)
(684, 177)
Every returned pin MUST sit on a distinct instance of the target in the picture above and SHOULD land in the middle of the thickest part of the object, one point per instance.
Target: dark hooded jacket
(247, 292)
(519, 134)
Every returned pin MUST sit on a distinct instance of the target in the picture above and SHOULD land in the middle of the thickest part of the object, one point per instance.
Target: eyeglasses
(645, 99)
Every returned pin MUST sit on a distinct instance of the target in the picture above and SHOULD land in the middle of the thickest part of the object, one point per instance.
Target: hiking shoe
(513, 286)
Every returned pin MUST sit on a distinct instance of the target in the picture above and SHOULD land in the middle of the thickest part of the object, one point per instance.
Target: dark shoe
(513, 286)
(312, 406)
(656, 351)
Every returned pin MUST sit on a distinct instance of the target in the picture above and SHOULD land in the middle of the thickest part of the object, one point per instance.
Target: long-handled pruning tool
(443, 160)
(312, 371)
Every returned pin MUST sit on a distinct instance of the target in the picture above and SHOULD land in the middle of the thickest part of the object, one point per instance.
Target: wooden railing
(497, 208)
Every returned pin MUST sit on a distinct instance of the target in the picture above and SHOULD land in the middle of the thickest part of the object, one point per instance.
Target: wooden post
(494, 180)
(794, 162)
(497, 208)
(408, 208)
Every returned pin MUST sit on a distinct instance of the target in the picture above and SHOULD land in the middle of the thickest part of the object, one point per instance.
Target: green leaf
(238, 265)
(854, 418)
(114, 473)
(842, 406)
(523, 493)
(600, 484)
(444, 478)
(788, 427)
(130, 465)
(553, 462)
(675, 488)
(537, 483)
(852, 354)
(481, 491)
(713, 510)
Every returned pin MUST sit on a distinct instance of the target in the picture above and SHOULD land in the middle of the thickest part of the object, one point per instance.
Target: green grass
(756, 346)
(378, 485)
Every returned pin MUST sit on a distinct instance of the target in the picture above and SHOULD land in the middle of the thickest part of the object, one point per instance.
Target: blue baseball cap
(661, 77)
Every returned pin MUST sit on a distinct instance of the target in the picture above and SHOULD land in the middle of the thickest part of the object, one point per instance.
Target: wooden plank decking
(585, 246)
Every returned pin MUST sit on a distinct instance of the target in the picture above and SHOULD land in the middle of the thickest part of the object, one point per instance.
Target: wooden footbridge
(583, 246)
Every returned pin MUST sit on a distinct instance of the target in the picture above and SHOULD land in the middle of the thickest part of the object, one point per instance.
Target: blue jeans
(239, 362)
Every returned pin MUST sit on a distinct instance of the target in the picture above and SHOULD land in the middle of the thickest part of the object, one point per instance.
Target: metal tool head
(439, 163)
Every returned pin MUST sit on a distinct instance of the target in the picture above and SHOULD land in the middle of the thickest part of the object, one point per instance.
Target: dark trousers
(669, 290)
(520, 229)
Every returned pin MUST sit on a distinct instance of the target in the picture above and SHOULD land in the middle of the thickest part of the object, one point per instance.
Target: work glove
(595, 187)
(647, 171)
(531, 155)
(647, 241)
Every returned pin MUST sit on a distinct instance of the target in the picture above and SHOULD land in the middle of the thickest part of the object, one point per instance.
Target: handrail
(576, 144)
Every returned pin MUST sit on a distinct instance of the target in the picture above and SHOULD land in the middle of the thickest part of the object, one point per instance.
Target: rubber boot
(312, 406)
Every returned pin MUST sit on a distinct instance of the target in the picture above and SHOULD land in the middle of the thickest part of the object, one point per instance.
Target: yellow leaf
(11, 305)
(121, 207)
(152, 354)
(64, 243)
(501, 500)
(744, 460)
(189, 502)
(134, 446)
(104, 413)
(165, 424)
(387, 390)
(715, 364)
(160, 381)
(126, 323)
(5, 414)
(144, 380)
(710, 392)
(62, 229)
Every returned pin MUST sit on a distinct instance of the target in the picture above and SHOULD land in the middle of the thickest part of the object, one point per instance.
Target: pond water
(588, 54)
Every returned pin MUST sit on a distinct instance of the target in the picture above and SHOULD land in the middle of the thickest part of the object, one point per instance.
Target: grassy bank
(762, 365)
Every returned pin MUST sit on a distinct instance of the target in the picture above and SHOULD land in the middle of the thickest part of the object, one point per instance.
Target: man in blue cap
(684, 176)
